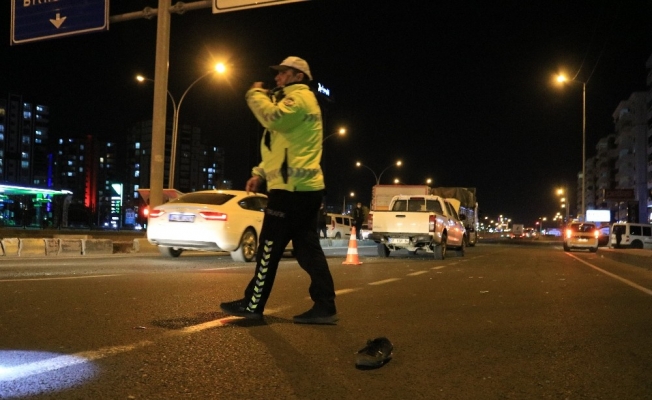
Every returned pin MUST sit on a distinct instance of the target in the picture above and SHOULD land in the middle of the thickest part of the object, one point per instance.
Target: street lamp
(563, 192)
(219, 68)
(397, 163)
(341, 132)
(562, 79)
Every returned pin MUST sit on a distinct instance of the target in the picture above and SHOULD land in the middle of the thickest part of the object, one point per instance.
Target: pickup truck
(417, 222)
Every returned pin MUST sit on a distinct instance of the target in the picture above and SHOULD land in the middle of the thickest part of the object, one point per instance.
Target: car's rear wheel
(636, 244)
(566, 248)
(338, 236)
(170, 251)
(593, 249)
(246, 251)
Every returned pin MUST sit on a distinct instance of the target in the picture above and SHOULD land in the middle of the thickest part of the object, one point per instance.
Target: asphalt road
(502, 322)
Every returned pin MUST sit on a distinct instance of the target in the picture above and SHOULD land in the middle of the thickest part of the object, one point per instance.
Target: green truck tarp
(466, 196)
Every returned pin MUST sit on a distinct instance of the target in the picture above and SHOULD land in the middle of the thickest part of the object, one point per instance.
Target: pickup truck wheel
(440, 249)
(460, 250)
(383, 251)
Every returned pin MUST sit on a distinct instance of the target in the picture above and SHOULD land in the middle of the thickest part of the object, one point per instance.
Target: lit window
(24, 164)
(136, 174)
(137, 145)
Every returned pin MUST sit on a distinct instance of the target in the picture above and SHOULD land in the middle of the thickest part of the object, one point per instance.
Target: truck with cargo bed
(417, 223)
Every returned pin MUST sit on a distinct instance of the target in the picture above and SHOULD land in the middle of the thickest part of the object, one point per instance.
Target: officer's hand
(253, 184)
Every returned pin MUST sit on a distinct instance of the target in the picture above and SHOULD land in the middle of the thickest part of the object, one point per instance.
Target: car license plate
(182, 218)
(399, 240)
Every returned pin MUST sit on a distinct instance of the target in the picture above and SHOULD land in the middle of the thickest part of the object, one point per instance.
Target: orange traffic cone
(352, 252)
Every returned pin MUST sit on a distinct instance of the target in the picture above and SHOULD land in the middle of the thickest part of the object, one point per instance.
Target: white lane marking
(384, 281)
(440, 267)
(57, 278)
(623, 280)
(417, 273)
(345, 291)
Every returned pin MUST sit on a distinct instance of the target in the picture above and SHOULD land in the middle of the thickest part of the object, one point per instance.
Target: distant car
(209, 220)
(338, 226)
(581, 235)
(530, 233)
(633, 235)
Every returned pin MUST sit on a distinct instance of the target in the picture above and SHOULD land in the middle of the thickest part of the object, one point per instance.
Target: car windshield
(582, 227)
(204, 198)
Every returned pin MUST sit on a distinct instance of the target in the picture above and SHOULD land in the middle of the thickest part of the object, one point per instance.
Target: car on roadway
(581, 235)
(209, 220)
(338, 226)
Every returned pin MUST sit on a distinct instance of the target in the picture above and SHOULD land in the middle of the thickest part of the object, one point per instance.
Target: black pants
(291, 216)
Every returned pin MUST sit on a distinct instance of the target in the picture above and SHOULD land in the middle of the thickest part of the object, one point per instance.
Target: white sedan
(209, 220)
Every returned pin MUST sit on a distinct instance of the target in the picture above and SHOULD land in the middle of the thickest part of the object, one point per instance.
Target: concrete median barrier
(31, 247)
(97, 246)
(144, 246)
(10, 247)
(71, 247)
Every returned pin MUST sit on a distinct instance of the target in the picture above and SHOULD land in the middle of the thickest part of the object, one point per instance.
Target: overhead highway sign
(33, 20)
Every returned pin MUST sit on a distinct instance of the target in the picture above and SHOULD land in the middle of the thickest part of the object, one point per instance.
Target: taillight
(569, 233)
(432, 223)
(155, 213)
(370, 222)
(214, 215)
(596, 234)
(145, 212)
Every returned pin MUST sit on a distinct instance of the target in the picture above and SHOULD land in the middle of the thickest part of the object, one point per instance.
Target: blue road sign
(33, 20)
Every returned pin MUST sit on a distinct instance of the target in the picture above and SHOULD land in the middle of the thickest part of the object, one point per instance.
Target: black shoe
(239, 308)
(313, 316)
(377, 353)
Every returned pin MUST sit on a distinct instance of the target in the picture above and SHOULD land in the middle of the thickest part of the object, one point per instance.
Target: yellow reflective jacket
(292, 143)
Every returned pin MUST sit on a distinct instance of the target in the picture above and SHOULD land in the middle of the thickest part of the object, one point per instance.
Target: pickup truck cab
(429, 223)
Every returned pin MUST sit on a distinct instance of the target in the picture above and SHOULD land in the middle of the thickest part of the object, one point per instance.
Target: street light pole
(583, 217)
(397, 163)
(175, 119)
(562, 79)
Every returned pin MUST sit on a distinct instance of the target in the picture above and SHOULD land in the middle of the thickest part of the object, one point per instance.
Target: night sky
(462, 93)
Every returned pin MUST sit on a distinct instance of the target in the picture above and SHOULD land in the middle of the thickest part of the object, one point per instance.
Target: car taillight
(432, 223)
(155, 213)
(596, 234)
(569, 233)
(145, 212)
(214, 215)
(370, 222)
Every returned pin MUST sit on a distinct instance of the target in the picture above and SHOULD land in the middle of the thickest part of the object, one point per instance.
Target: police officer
(291, 151)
